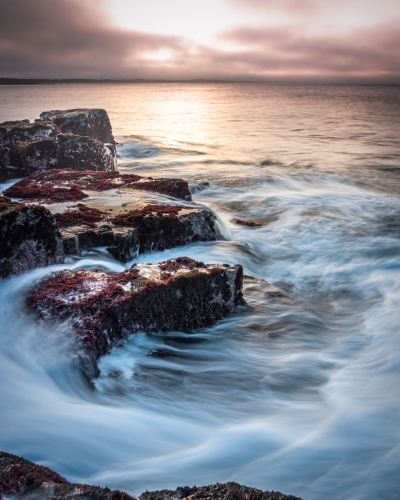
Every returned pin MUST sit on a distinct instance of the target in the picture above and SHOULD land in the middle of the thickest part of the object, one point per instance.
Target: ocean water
(300, 393)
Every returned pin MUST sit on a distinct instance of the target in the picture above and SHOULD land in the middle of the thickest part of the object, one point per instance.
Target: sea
(300, 392)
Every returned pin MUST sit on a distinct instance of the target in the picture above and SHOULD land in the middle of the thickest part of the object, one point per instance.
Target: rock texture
(62, 152)
(30, 481)
(14, 133)
(93, 123)
(178, 294)
(54, 186)
(29, 238)
(130, 233)
(219, 491)
(248, 223)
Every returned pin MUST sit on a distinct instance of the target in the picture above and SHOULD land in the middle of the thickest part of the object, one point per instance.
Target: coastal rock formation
(13, 133)
(29, 238)
(54, 186)
(29, 480)
(93, 123)
(178, 294)
(130, 233)
(62, 152)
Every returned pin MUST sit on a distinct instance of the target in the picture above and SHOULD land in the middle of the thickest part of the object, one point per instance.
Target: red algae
(133, 216)
(83, 215)
(45, 194)
(172, 265)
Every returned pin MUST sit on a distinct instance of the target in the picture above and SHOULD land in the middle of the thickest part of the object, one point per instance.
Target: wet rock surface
(133, 232)
(93, 123)
(53, 186)
(20, 478)
(177, 294)
(62, 152)
(28, 480)
(247, 223)
(29, 238)
(13, 133)
(219, 491)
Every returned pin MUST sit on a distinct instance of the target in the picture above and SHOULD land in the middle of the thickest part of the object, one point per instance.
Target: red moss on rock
(45, 194)
(82, 215)
(177, 188)
(134, 216)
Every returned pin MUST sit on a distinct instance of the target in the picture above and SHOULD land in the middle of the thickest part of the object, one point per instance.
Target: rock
(29, 238)
(93, 123)
(62, 152)
(248, 223)
(178, 294)
(130, 233)
(19, 132)
(29, 480)
(219, 491)
(53, 186)
(32, 481)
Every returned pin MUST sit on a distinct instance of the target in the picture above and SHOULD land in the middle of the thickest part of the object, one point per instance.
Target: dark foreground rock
(54, 186)
(27, 480)
(93, 123)
(219, 491)
(62, 152)
(31, 481)
(29, 238)
(132, 232)
(14, 133)
(178, 294)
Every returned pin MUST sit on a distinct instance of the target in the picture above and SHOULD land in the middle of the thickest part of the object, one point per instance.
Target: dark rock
(93, 123)
(224, 491)
(32, 481)
(142, 230)
(62, 152)
(29, 238)
(19, 132)
(178, 294)
(53, 186)
(248, 223)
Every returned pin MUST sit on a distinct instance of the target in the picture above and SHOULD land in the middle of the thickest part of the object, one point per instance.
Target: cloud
(293, 6)
(74, 39)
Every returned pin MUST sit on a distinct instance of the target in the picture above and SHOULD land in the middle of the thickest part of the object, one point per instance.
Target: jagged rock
(32, 481)
(62, 152)
(13, 133)
(130, 233)
(219, 491)
(248, 223)
(93, 123)
(178, 294)
(54, 186)
(29, 238)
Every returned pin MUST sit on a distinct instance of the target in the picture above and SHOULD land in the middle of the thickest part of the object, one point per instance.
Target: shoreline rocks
(54, 186)
(178, 294)
(93, 123)
(29, 238)
(63, 152)
(26, 479)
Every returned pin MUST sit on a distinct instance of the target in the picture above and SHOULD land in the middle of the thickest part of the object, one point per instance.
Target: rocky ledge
(30, 481)
(55, 186)
(63, 151)
(29, 238)
(14, 133)
(93, 123)
(128, 233)
(178, 294)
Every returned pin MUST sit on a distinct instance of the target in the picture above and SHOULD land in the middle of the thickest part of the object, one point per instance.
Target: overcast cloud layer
(75, 39)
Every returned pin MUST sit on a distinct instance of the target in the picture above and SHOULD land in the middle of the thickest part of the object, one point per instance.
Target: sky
(321, 41)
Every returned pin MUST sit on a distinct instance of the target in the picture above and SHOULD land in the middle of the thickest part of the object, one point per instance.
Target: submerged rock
(54, 186)
(62, 152)
(93, 123)
(130, 233)
(178, 294)
(248, 223)
(29, 480)
(13, 133)
(29, 238)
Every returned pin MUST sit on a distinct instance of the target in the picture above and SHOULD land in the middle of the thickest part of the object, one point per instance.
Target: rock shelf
(177, 294)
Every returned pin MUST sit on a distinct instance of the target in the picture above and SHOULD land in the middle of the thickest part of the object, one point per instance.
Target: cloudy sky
(271, 40)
